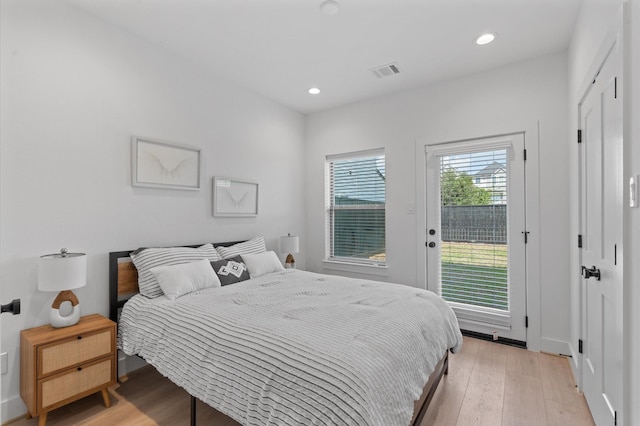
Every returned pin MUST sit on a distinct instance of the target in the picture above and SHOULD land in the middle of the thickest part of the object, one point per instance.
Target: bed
(292, 347)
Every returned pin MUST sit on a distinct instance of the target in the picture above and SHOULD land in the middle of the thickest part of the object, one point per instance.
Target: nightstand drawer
(85, 379)
(78, 349)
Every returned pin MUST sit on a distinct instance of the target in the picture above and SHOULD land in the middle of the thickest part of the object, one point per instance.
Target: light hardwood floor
(488, 384)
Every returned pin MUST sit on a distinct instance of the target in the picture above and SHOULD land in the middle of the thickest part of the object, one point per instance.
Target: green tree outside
(457, 189)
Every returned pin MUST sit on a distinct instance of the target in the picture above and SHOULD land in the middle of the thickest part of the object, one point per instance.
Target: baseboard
(12, 409)
(553, 346)
(574, 362)
(489, 337)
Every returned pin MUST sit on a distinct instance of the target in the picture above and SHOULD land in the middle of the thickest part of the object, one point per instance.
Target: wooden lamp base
(290, 262)
(58, 320)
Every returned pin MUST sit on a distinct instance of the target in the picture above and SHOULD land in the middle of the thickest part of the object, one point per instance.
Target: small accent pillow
(147, 258)
(263, 263)
(184, 278)
(230, 271)
(253, 246)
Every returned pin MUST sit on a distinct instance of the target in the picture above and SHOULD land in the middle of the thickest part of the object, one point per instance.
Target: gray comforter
(297, 348)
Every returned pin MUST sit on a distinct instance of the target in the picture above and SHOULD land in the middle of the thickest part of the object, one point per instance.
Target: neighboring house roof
(491, 169)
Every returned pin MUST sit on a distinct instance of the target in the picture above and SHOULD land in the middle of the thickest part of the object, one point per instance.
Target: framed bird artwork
(156, 164)
(234, 198)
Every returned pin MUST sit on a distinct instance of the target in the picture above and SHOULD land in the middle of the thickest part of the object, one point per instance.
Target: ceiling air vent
(386, 70)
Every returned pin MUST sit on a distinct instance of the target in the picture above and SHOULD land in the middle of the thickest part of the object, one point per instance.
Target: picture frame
(166, 165)
(234, 198)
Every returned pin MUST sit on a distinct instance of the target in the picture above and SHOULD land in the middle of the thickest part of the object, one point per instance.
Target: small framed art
(234, 198)
(156, 164)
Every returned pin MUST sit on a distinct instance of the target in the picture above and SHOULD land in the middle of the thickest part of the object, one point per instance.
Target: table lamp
(289, 244)
(63, 272)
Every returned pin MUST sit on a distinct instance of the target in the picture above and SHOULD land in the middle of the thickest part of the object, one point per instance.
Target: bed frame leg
(193, 410)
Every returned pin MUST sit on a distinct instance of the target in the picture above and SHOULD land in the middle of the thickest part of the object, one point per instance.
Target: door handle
(591, 272)
(13, 307)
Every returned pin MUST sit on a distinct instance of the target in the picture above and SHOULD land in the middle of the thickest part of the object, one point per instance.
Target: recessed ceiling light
(329, 7)
(314, 91)
(485, 38)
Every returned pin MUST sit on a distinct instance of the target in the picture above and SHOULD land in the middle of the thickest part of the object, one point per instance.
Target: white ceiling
(281, 48)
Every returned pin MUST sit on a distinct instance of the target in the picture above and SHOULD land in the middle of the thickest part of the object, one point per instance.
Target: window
(355, 207)
(473, 220)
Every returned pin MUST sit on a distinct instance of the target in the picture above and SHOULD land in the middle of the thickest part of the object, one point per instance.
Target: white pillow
(178, 280)
(146, 258)
(253, 246)
(263, 263)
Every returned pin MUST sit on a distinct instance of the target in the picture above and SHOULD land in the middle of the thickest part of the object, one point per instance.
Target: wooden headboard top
(123, 277)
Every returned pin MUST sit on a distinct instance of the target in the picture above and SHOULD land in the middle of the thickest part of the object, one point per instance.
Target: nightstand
(61, 365)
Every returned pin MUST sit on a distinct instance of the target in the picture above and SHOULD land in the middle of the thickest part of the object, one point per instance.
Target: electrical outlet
(495, 335)
(4, 363)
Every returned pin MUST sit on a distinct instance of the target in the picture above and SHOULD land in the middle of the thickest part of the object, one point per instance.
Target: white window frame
(349, 264)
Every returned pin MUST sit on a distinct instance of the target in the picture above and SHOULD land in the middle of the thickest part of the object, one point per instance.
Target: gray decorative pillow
(253, 246)
(148, 258)
(231, 271)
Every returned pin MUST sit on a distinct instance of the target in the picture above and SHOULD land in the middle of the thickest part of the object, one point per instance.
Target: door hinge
(526, 321)
(579, 346)
(615, 88)
(526, 236)
(579, 241)
(525, 155)
(579, 135)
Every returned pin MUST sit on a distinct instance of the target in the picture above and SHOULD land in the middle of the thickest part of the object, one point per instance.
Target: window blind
(355, 208)
(473, 195)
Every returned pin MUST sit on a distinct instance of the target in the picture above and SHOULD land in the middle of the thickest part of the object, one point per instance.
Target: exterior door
(601, 183)
(476, 232)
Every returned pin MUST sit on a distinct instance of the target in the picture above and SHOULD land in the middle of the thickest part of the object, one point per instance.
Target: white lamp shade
(58, 272)
(289, 244)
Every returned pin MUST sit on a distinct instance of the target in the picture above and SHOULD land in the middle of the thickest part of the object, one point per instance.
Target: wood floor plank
(559, 414)
(146, 399)
(523, 361)
(491, 357)
(557, 381)
(488, 384)
(483, 401)
(523, 400)
(446, 403)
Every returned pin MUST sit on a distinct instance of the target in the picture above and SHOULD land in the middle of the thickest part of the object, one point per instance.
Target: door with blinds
(476, 232)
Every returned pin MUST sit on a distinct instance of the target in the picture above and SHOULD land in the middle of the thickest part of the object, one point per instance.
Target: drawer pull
(79, 368)
(79, 337)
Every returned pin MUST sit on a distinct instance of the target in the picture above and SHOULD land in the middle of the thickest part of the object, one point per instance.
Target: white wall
(507, 99)
(74, 90)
